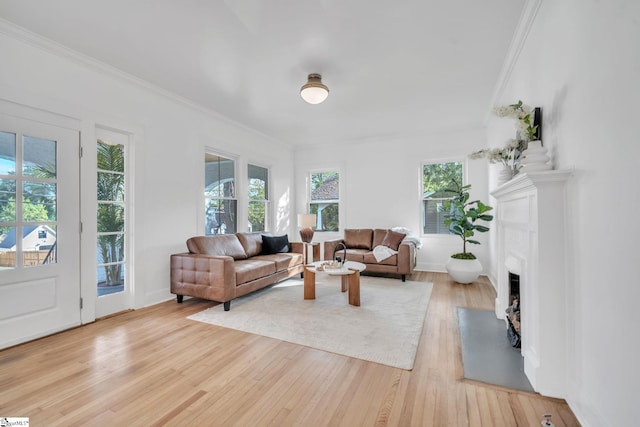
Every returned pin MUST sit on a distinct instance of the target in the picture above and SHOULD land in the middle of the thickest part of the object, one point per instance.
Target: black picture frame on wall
(537, 121)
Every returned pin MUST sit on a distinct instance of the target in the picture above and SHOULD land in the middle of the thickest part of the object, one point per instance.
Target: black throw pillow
(275, 244)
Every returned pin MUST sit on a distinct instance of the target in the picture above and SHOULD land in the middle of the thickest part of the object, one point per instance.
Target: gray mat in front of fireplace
(487, 355)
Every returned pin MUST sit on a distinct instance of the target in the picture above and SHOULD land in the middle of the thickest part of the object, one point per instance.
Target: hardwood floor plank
(154, 367)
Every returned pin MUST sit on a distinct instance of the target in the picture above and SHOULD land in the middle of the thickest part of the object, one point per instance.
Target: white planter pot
(464, 270)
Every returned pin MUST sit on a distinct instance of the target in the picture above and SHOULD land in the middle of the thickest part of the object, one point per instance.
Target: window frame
(266, 201)
(463, 166)
(337, 201)
(234, 198)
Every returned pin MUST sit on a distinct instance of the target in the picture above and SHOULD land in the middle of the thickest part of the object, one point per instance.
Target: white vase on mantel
(535, 158)
(505, 174)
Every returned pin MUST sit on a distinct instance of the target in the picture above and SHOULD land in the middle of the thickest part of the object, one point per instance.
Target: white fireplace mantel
(531, 238)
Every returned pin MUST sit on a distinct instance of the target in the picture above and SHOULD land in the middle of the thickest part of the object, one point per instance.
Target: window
(258, 198)
(221, 206)
(111, 219)
(28, 200)
(325, 199)
(440, 181)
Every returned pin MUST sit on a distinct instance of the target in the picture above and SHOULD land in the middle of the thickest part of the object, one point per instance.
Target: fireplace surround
(531, 242)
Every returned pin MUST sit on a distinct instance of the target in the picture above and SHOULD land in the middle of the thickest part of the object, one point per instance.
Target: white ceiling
(395, 68)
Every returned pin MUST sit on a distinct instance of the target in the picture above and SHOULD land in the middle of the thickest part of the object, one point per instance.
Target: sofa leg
(404, 277)
(179, 298)
(302, 275)
(227, 305)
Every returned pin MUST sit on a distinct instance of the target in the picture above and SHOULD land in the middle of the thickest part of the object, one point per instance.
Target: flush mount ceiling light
(314, 92)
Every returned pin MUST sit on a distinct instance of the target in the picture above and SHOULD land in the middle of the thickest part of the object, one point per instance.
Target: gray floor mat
(486, 353)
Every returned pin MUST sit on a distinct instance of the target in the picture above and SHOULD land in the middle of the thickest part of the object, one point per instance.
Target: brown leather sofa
(359, 245)
(223, 267)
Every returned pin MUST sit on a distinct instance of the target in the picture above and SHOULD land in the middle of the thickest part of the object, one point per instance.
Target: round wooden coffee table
(350, 273)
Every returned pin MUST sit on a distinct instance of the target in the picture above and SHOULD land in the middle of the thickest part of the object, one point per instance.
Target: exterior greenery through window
(110, 186)
(28, 184)
(221, 205)
(325, 200)
(258, 198)
(440, 181)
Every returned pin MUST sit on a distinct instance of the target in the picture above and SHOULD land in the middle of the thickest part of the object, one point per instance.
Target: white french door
(114, 290)
(39, 229)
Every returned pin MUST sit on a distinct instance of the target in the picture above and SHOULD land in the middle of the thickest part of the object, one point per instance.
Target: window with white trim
(221, 205)
(258, 196)
(324, 200)
(440, 181)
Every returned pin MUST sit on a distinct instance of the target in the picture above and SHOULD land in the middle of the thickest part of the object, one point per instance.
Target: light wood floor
(154, 367)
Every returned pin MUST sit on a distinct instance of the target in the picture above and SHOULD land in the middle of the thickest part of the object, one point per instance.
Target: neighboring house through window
(440, 181)
(324, 199)
(221, 205)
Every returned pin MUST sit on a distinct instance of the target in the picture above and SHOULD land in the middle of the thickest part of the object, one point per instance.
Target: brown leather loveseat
(360, 245)
(223, 267)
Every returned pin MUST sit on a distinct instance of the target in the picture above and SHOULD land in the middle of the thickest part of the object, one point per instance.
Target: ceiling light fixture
(314, 92)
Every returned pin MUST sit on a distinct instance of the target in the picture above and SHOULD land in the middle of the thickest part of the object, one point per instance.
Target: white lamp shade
(314, 92)
(306, 220)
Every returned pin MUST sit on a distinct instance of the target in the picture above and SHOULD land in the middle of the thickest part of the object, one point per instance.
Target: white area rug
(385, 329)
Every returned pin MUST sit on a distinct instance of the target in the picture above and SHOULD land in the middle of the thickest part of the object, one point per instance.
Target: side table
(315, 252)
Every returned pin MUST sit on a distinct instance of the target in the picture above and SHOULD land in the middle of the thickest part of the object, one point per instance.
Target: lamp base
(306, 234)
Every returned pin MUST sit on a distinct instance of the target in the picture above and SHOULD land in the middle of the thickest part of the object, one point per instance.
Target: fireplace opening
(513, 311)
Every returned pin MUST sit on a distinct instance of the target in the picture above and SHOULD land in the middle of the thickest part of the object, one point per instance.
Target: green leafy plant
(461, 216)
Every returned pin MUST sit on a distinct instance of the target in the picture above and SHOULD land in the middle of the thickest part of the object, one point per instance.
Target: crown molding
(23, 35)
(527, 18)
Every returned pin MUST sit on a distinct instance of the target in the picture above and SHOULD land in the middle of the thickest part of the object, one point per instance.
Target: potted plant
(461, 216)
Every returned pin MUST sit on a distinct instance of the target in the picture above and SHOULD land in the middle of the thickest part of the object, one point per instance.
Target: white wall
(169, 139)
(381, 185)
(581, 64)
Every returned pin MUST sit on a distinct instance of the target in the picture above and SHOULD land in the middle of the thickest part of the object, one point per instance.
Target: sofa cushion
(369, 258)
(252, 269)
(218, 245)
(393, 239)
(378, 236)
(283, 261)
(356, 255)
(251, 242)
(358, 238)
(275, 244)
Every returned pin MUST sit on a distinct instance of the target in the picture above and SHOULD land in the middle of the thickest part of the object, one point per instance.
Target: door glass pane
(110, 248)
(7, 247)
(39, 157)
(111, 186)
(38, 245)
(7, 201)
(110, 218)
(39, 201)
(7, 153)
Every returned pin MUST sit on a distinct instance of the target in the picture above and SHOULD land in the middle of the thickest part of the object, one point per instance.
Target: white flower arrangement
(522, 113)
(510, 154)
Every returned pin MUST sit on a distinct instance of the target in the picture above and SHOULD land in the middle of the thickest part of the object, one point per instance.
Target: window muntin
(324, 200)
(221, 205)
(440, 181)
(258, 196)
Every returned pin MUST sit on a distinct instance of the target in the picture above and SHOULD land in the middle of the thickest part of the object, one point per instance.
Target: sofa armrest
(297, 247)
(203, 276)
(329, 245)
(406, 258)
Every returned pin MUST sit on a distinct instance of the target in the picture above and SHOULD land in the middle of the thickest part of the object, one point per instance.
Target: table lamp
(306, 221)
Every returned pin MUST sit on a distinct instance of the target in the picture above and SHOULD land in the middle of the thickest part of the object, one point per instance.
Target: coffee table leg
(309, 284)
(345, 282)
(354, 289)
